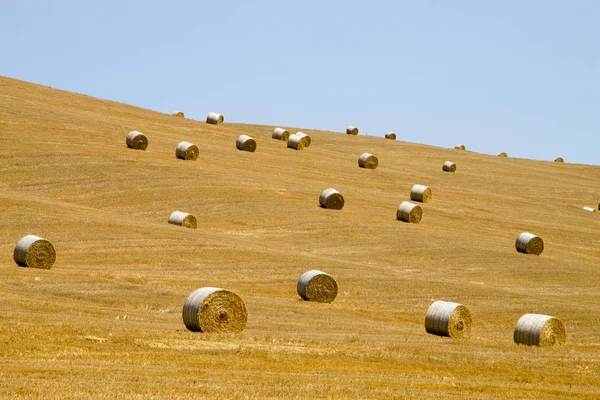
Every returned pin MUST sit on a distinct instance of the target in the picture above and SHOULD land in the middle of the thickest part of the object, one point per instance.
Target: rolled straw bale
(281, 134)
(390, 135)
(352, 130)
(420, 193)
(559, 159)
(187, 151)
(368, 161)
(331, 199)
(590, 209)
(503, 154)
(460, 147)
(540, 330)
(34, 252)
(307, 139)
(137, 140)
(214, 118)
(317, 286)
(296, 142)
(449, 166)
(210, 309)
(409, 212)
(178, 114)
(445, 318)
(246, 143)
(528, 243)
(183, 219)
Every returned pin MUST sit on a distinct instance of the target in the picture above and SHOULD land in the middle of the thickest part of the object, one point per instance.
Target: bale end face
(368, 161)
(448, 319)
(246, 143)
(409, 212)
(529, 243)
(420, 193)
(352, 130)
(331, 199)
(211, 309)
(449, 166)
(136, 140)
(34, 252)
(540, 330)
(317, 286)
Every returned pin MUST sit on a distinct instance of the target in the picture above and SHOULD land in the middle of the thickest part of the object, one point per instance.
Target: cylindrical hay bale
(368, 161)
(590, 209)
(281, 134)
(246, 143)
(214, 118)
(352, 130)
(460, 147)
(296, 142)
(559, 159)
(34, 252)
(210, 309)
(183, 219)
(317, 286)
(503, 154)
(390, 135)
(187, 151)
(137, 140)
(307, 139)
(540, 330)
(409, 212)
(445, 318)
(331, 199)
(178, 114)
(528, 243)
(420, 193)
(449, 166)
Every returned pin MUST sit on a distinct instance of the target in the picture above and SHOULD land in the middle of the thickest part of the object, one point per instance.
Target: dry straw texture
(420, 193)
(246, 143)
(331, 199)
(178, 114)
(368, 161)
(214, 118)
(445, 318)
(137, 140)
(460, 147)
(307, 139)
(183, 219)
(281, 134)
(590, 209)
(559, 159)
(449, 166)
(390, 135)
(540, 330)
(352, 130)
(187, 151)
(317, 286)
(503, 154)
(210, 309)
(34, 252)
(409, 212)
(296, 142)
(529, 243)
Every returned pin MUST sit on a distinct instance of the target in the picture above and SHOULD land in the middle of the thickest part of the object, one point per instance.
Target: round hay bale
(368, 161)
(559, 159)
(449, 166)
(352, 130)
(540, 330)
(281, 134)
(390, 135)
(137, 140)
(34, 252)
(246, 143)
(460, 147)
(187, 151)
(296, 142)
(445, 318)
(210, 309)
(214, 118)
(503, 154)
(528, 243)
(590, 209)
(420, 193)
(183, 219)
(307, 139)
(178, 114)
(317, 286)
(409, 212)
(331, 199)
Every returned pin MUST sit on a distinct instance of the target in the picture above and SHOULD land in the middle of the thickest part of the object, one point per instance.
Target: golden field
(105, 322)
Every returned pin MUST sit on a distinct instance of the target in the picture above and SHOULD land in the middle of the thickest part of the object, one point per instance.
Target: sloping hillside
(105, 321)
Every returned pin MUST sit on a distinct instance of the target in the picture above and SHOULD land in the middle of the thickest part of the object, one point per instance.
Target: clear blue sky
(515, 76)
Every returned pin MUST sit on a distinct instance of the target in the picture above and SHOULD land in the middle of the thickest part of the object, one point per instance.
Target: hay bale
(331, 199)
(590, 209)
(445, 318)
(390, 135)
(187, 151)
(307, 139)
(409, 212)
(503, 154)
(281, 134)
(296, 142)
(368, 161)
(460, 147)
(317, 286)
(420, 193)
(352, 130)
(183, 219)
(210, 309)
(137, 140)
(214, 118)
(540, 330)
(178, 114)
(34, 252)
(528, 243)
(245, 143)
(559, 159)
(449, 166)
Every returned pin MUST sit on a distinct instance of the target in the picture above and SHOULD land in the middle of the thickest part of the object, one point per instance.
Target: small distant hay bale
(178, 114)
(245, 143)
(34, 252)
(331, 199)
(503, 154)
(352, 130)
(210, 309)
(187, 151)
(214, 118)
(296, 142)
(368, 161)
(590, 209)
(445, 318)
(420, 193)
(317, 286)
(559, 159)
(137, 140)
(183, 219)
(460, 147)
(540, 330)
(390, 135)
(281, 134)
(529, 243)
(307, 139)
(409, 212)
(449, 166)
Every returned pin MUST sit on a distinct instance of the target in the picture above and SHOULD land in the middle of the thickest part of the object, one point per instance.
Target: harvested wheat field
(106, 320)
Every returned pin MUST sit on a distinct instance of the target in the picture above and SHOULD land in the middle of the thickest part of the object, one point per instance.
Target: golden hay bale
(503, 154)
(187, 151)
(590, 209)
(540, 330)
(281, 134)
(178, 114)
(390, 135)
(420, 193)
(214, 118)
(34, 252)
(449, 166)
(528, 243)
(460, 147)
(409, 212)
(183, 219)
(296, 142)
(317, 286)
(210, 309)
(352, 130)
(137, 140)
(368, 161)
(246, 143)
(307, 139)
(559, 159)
(445, 318)
(331, 199)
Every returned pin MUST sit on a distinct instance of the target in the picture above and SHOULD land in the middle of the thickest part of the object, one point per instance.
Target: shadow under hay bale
(352, 130)
(529, 243)
(449, 166)
(210, 309)
(368, 161)
(331, 199)
(420, 193)
(540, 330)
(178, 114)
(390, 135)
(183, 219)
(245, 143)
(281, 134)
(214, 118)
(34, 252)
(409, 212)
(445, 318)
(187, 151)
(317, 286)
(136, 140)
